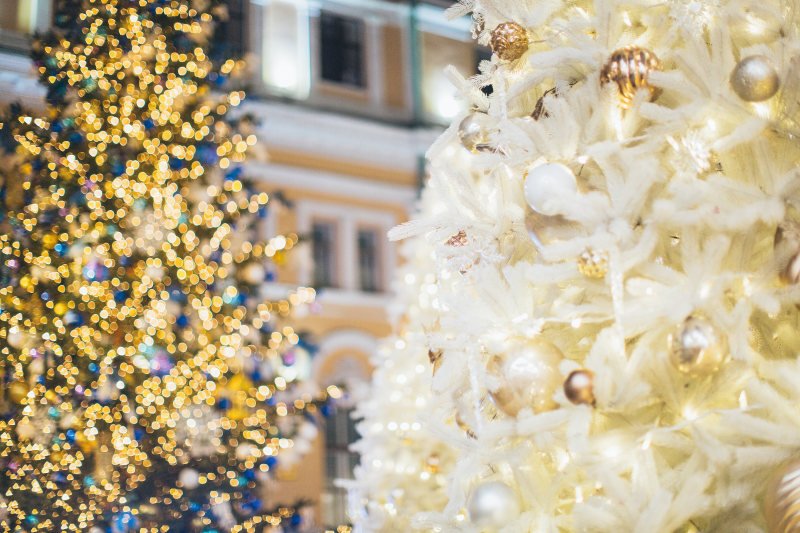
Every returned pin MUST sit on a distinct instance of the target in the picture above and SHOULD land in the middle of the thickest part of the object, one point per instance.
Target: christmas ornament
(18, 391)
(16, 338)
(548, 185)
(25, 429)
(509, 41)
(629, 69)
(755, 79)
(189, 478)
(254, 273)
(782, 499)
(593, 263)
(579, 387)
(473, 132)
(697, 347)
(526, 375)
(787, 244)
(493, 504)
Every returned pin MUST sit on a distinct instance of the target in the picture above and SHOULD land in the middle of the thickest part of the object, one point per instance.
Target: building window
(369, 260)
(340, 433)
(230, 32)
(323, 243)
(21, 18)
(342, 49)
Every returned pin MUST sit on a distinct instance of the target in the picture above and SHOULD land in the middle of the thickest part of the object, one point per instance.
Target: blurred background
(347, 95)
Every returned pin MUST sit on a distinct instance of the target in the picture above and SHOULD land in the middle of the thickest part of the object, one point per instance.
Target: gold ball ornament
(579, 387)
(593, 263)
(697, 347)
(782, 499)
(18, 391)
(509, 41)
(629, 69)
(527, 376)
(754, 79)
(473, 132)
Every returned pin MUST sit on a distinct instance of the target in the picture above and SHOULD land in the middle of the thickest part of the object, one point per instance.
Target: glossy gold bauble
(629, 68)
(593, 263)
(697, 347)
(18, 391)
(509, 41)
(527, 376)
(754, 79)
(782, 499)
(579, 387)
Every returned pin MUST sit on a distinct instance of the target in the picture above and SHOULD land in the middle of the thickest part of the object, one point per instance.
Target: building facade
(347, 95)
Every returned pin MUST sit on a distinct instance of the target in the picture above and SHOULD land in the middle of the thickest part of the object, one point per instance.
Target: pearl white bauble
(189, 478)
(16, 338)
(755, 79)
(254, 273)
(493, 504)
(527, 376)
(549, 185)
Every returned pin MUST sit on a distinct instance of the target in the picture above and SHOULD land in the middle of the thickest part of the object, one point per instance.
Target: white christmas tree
(619, 326)
(403, 460)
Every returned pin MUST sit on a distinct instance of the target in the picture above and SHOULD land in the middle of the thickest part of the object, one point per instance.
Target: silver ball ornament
(755, 79)
(697, 347)
(473, 132)
(527, 376)
(493, 504)
(782, 499)
(548, 185)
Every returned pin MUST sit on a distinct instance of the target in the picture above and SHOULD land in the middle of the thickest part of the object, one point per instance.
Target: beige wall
(306, 480)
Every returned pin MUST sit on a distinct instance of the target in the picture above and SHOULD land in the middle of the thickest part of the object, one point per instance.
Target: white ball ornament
(254, 273)
(526, 375)
(493, 504)
(189, 478)
(16, 338)
(548, 186)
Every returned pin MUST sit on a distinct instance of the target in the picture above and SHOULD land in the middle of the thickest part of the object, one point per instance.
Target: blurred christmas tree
(147, 381)
(403, 461)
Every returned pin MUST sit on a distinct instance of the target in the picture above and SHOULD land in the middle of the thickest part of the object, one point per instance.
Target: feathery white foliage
(403, 461)
(684, 194)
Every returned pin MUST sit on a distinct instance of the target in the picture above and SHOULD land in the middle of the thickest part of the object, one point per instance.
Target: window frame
(348, 219)
(334, 260)
(363, 82)
(379, 271)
